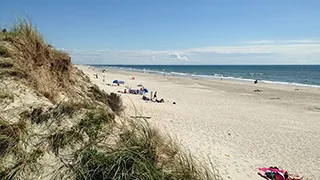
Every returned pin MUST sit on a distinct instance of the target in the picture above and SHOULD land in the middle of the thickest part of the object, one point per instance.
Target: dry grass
(98, 95)
(105, 149)
(94, 121)
(5, 62)
(10, 135)
(40, 116)
(26, 166)
(45, 68)
(6, 95)
(62, 139)
(113, 100)
(140, 153)
(115, 103)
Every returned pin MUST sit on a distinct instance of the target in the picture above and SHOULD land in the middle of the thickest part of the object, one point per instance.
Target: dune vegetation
(55, 124)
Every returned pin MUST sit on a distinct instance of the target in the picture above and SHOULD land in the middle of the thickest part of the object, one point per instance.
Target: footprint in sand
(315, 109)
(274, 98)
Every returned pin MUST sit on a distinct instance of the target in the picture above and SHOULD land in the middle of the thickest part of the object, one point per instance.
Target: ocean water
(303, 75)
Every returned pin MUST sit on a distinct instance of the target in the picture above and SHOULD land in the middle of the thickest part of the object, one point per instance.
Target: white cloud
(177, 56)
(267, 52)
(283, 42)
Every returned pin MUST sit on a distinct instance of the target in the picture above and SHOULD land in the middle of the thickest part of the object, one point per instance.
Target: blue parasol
(145, 90)
(115, 81)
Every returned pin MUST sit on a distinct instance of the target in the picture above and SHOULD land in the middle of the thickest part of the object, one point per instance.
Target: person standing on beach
(155, 95)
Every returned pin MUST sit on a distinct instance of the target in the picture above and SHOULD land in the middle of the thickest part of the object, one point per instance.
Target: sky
(176, 31)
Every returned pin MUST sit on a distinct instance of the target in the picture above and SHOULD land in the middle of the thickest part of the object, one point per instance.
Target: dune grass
(140, 153)
(60, 140)
(94, 121)
(112, 100)
(10, 135)
(32, 59)
(26, 166)
(39, 115)
(97, 146)
(5, 95)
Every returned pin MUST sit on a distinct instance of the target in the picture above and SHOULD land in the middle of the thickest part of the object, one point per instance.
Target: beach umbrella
(115, 81)
(145, 90)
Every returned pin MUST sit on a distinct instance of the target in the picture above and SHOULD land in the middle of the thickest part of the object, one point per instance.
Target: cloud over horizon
(176, 56)
(251, 52)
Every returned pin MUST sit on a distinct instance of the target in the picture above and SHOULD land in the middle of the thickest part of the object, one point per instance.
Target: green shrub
(98, 95)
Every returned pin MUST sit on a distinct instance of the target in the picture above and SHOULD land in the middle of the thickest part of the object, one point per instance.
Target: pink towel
(272, 170)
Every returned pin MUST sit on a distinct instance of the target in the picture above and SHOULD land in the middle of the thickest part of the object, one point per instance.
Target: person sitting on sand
(160, 101)
(274, 173)
(145, 98)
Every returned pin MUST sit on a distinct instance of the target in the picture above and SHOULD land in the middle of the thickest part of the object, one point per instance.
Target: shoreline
(190, 75)
(240, 129)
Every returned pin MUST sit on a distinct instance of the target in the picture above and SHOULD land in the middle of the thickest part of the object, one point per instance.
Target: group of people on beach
(153, 98)
(133, 91)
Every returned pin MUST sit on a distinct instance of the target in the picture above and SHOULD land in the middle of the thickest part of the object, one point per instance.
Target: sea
(301, 75)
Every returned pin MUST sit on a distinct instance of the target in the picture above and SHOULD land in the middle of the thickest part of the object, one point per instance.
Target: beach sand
(238, 128)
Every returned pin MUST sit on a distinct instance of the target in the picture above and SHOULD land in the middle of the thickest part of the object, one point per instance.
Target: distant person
(155, 95)
(160, 101)
(255, 81)
(145, 98)
(4, 31)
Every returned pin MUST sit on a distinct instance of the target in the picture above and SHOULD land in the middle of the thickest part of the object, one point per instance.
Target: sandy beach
(238, 128)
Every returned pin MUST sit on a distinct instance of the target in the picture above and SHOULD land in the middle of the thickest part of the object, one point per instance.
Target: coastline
(203, 76)
(240, 129)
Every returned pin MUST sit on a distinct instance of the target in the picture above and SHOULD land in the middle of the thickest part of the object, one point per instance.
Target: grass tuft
(26, 166)
(65, 109)
(140, 153)
(12, 73)
(40, 116)
(94, 121)
(5, 62)
(6, 95)
(115, 103)
(10, 135)
(98, 95)
(113, 100)
(4, 52)
(46, 69)
(60, 140)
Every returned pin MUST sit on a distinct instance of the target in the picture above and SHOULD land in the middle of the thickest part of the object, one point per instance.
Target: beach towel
(273, 173)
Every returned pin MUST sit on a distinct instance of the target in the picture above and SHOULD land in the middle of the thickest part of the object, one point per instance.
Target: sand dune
(240, 129)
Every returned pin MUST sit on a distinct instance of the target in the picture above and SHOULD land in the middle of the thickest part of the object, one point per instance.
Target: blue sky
(176, 32)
